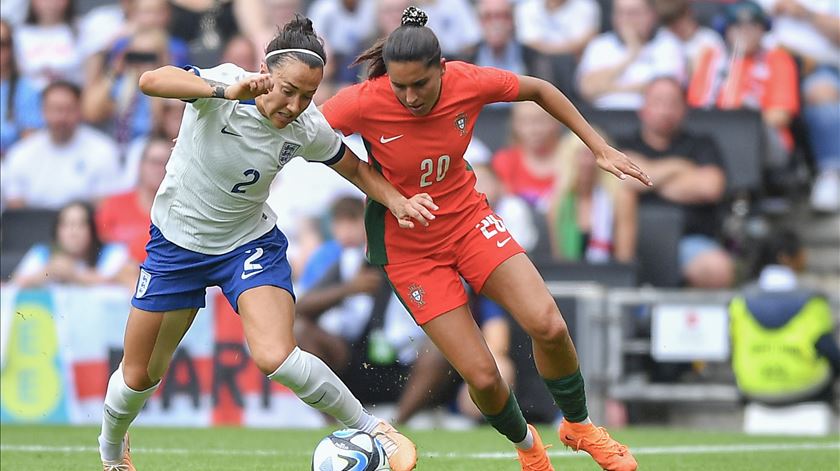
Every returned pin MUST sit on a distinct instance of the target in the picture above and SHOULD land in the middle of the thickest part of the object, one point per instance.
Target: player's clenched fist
(250, 88)
(419, 207)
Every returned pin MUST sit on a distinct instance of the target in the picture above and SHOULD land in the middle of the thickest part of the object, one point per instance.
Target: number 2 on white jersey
(427, 166)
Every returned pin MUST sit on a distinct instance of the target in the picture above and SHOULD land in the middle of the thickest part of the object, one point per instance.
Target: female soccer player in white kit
(211, 226)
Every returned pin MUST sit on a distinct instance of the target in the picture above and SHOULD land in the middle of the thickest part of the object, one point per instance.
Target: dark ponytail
(297, 34)
(411, 42)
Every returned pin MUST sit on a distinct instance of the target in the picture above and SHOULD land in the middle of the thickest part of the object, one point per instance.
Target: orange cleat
(535, 458)
(124, 464)
(608, 453)
(401, 452)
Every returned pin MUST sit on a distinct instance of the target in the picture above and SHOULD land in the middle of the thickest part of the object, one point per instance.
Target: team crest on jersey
(461, 123)
(415, 292)
(288, 151)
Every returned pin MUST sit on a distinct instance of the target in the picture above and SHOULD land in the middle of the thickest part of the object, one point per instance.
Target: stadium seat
(493, 127)
(660, 230)
(19, 230)
(739, 134)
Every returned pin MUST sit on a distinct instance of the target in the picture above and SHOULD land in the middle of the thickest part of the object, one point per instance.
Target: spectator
(125, 218)
(76, 255)
(20, 107)
(150, 15)
(557, 26)
(592, 216)
(498, 47)
(116, 98)
(388, 16)
(783, 346)
(687, 171)
(527, 168)
(47, 46)
(240, 51)
(677, 17)
(345, 26)
(811, 31)
(280, 12)
(617, 65)
(64, 162)
(166, 122)
(747, 75)
(456, 25)
(207, 25)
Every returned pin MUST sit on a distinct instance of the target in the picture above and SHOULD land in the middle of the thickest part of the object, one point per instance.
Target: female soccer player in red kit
(416, 114)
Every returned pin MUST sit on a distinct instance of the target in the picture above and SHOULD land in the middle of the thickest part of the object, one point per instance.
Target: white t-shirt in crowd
(455, 23)
(47, 175)
(47, 53)
(662, 56)
(344, 31)
(803, 37)
(574, 20)
(702, 39)
(100, 27)
(213, 197)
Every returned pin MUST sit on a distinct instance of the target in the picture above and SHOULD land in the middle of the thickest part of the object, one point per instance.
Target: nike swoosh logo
(319, 399)
(245, 276)
(385, 140)
(229, 133)
(502, 243)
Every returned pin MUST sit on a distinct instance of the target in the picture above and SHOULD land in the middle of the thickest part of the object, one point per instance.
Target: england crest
(461, 123)
(288, 152)
(415, 292)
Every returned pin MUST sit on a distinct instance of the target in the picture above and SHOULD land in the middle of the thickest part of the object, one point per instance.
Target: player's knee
(269, 359)
(484, 380)
(551, 328)
(137, 377)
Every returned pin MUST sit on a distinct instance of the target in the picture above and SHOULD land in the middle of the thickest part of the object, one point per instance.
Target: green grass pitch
(24, 448)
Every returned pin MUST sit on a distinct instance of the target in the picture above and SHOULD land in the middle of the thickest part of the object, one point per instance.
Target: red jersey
(421, 154)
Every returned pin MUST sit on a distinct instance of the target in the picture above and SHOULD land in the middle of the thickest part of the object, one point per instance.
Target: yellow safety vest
(779, 362)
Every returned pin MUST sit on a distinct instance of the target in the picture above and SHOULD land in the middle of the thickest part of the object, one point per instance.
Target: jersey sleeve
(325, 146)
(342, 110)
(494, 84)
(227, 74)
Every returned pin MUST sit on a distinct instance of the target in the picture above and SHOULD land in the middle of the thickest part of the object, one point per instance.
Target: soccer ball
(349, 450)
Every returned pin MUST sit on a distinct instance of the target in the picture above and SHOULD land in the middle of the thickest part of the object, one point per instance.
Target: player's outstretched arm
(173, 82)
(419, 207)
(556, 104)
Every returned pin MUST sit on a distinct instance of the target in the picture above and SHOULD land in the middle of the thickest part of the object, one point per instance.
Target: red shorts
(431, 286)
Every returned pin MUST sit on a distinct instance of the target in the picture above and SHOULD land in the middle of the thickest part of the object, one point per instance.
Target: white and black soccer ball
(349, 450)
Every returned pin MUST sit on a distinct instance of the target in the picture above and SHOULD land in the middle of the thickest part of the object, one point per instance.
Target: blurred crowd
(80, 139)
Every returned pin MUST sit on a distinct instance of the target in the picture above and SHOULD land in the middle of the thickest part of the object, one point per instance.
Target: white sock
(527, 443)
(585, 421)
(318, 386)
(122, 404)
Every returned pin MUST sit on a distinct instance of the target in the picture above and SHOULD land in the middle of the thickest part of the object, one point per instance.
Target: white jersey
(212, 199)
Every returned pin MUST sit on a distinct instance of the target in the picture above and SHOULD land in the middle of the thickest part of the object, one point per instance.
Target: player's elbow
(148, 81)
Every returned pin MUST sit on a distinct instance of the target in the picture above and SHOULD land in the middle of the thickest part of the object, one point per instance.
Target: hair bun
(413, 16)
(299, 24)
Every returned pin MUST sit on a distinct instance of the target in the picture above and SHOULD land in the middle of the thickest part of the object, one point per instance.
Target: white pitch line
(662, 450)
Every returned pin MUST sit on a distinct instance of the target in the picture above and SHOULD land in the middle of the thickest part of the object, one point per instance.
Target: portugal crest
(287, 152)
(461, 123)
(415, 292)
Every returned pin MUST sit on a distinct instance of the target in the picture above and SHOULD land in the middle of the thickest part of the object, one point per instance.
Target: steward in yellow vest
(783, 349)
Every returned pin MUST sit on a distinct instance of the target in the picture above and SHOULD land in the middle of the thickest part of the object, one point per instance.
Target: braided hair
(411, 41)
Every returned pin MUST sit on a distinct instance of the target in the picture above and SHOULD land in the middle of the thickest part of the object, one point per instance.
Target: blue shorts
(174, 278)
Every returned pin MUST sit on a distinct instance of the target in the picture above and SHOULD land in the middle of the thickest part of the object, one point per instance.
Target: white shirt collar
(777, 278)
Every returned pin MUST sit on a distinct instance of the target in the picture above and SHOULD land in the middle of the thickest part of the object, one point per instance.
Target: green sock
(510, 422)
(569, 395)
